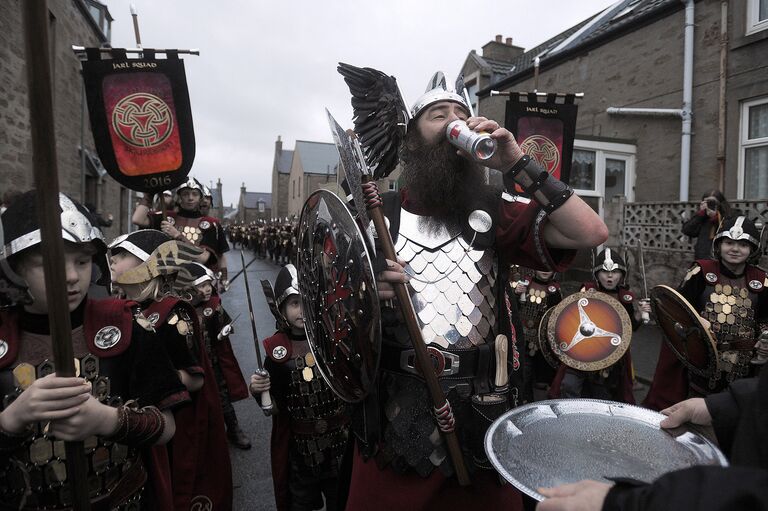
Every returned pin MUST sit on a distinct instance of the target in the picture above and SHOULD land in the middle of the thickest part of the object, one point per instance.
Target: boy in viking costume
(216, 327)
(537, 291)
(729, 294)
(457, 232)
(148, 266)
(309, 423)
(187, 223)
(120, 404)
(614, 382)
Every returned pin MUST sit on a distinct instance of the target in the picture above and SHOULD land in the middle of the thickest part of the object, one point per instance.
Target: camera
(713, 204)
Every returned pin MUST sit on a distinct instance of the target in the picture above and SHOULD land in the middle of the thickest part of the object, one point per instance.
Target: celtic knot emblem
(543, 150)
(201, 503)
(142, 120)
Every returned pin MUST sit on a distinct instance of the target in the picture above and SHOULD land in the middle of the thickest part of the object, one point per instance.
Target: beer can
(479, 145)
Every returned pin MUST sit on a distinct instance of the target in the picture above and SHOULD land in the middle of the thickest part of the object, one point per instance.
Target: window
(603, 169)
(472, 93)
(757, 16)
(392, 185)
(753, 150)
(293, 189)
(261, 207)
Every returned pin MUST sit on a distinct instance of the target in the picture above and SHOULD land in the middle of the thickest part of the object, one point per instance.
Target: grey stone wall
(68, 27)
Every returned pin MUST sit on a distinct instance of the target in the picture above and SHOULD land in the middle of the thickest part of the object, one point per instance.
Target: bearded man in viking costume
(454, 228)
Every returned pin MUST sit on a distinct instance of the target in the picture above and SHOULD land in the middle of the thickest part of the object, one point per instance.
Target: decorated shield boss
(589, 331)
(684, 332)
(339, 298)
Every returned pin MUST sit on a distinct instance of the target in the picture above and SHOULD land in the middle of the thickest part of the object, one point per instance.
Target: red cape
(281, 431)
(230, 368)
(199, 453)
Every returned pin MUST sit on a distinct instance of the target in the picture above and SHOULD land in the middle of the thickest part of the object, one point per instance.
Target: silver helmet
(437, 91)
(21, 231)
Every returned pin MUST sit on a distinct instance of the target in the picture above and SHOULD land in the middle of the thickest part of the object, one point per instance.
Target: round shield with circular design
(544, 347)
(339, 297)
(589, 331)
(685, 334)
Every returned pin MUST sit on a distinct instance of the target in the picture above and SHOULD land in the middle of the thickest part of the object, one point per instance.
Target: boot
(235, 435)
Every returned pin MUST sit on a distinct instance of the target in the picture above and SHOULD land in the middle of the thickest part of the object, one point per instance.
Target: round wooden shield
(589, 331)
(544, 348)
(684, 331)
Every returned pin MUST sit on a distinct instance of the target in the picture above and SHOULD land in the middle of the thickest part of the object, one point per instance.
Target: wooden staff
(442, 407)
(51, 243)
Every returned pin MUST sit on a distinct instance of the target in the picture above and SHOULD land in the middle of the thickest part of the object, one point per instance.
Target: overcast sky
(269, 68)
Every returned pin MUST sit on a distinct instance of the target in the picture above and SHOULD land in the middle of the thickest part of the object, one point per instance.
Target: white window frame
(745, 143)
(611, 151)
(753, 22)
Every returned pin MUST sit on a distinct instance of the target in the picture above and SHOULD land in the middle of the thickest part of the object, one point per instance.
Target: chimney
(220, 196)
(502, 51)
(278, 146)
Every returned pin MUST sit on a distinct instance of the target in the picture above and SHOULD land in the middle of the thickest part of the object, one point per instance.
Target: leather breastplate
(190, 228)
(37, 466)
(318, 418)
(453, 286)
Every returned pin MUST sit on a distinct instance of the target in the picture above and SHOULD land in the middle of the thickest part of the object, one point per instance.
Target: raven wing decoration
(380, 116)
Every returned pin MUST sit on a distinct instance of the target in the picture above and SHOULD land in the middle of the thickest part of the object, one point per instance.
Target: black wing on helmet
(380, 116)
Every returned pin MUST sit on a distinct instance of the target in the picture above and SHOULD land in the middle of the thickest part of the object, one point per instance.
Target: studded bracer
(36, 466)
(729, 305)
(319, 423)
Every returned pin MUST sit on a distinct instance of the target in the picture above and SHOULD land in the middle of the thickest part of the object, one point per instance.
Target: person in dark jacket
(703, 225)
(739, 416)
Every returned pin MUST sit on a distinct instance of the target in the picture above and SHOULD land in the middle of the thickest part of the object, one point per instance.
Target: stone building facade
(81, 22)
(281, 171)
(252, 206)
(631, 55)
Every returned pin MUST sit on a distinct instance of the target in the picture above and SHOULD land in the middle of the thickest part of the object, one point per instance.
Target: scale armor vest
(310, 400)
(730, 306)
(453, 287)
(38, 465)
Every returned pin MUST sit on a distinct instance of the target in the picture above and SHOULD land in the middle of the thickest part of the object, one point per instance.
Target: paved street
(251, 469)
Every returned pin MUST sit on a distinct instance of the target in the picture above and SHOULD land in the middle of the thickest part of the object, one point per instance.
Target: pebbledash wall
(78, 22)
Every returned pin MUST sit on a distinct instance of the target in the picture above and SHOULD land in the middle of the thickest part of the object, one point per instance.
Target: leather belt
(454, 364)
(318, 426)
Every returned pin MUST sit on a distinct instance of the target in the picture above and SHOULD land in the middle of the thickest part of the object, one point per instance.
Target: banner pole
(44, 165)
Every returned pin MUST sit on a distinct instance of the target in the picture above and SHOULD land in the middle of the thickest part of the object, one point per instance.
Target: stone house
(253, 206)
(81, 175)
(630, 62)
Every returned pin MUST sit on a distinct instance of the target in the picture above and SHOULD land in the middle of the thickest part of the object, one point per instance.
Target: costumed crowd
(157, 375)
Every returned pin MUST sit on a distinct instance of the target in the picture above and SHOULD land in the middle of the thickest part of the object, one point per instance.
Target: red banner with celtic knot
(544, 129)
(141, 119)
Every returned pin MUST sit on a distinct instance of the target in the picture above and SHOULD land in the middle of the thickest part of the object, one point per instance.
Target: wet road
(251, 470)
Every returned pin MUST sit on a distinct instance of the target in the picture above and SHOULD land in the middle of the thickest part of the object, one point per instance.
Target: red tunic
(199, 452)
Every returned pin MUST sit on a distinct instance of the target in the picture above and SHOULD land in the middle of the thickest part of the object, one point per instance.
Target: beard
(446, 186)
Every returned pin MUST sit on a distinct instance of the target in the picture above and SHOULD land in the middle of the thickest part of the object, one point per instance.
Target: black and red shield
(141, 119)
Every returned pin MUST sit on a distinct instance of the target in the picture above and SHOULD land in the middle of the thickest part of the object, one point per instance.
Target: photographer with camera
(703, 226)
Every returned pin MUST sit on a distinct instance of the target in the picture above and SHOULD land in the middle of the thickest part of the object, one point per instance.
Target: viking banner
(544, 129)
(141, 118)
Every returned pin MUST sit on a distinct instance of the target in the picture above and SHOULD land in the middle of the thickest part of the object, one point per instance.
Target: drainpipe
(686, 112)
(722, 105)
(685, 142)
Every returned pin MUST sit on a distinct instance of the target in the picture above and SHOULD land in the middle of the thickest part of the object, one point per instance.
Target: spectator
(703, 226)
